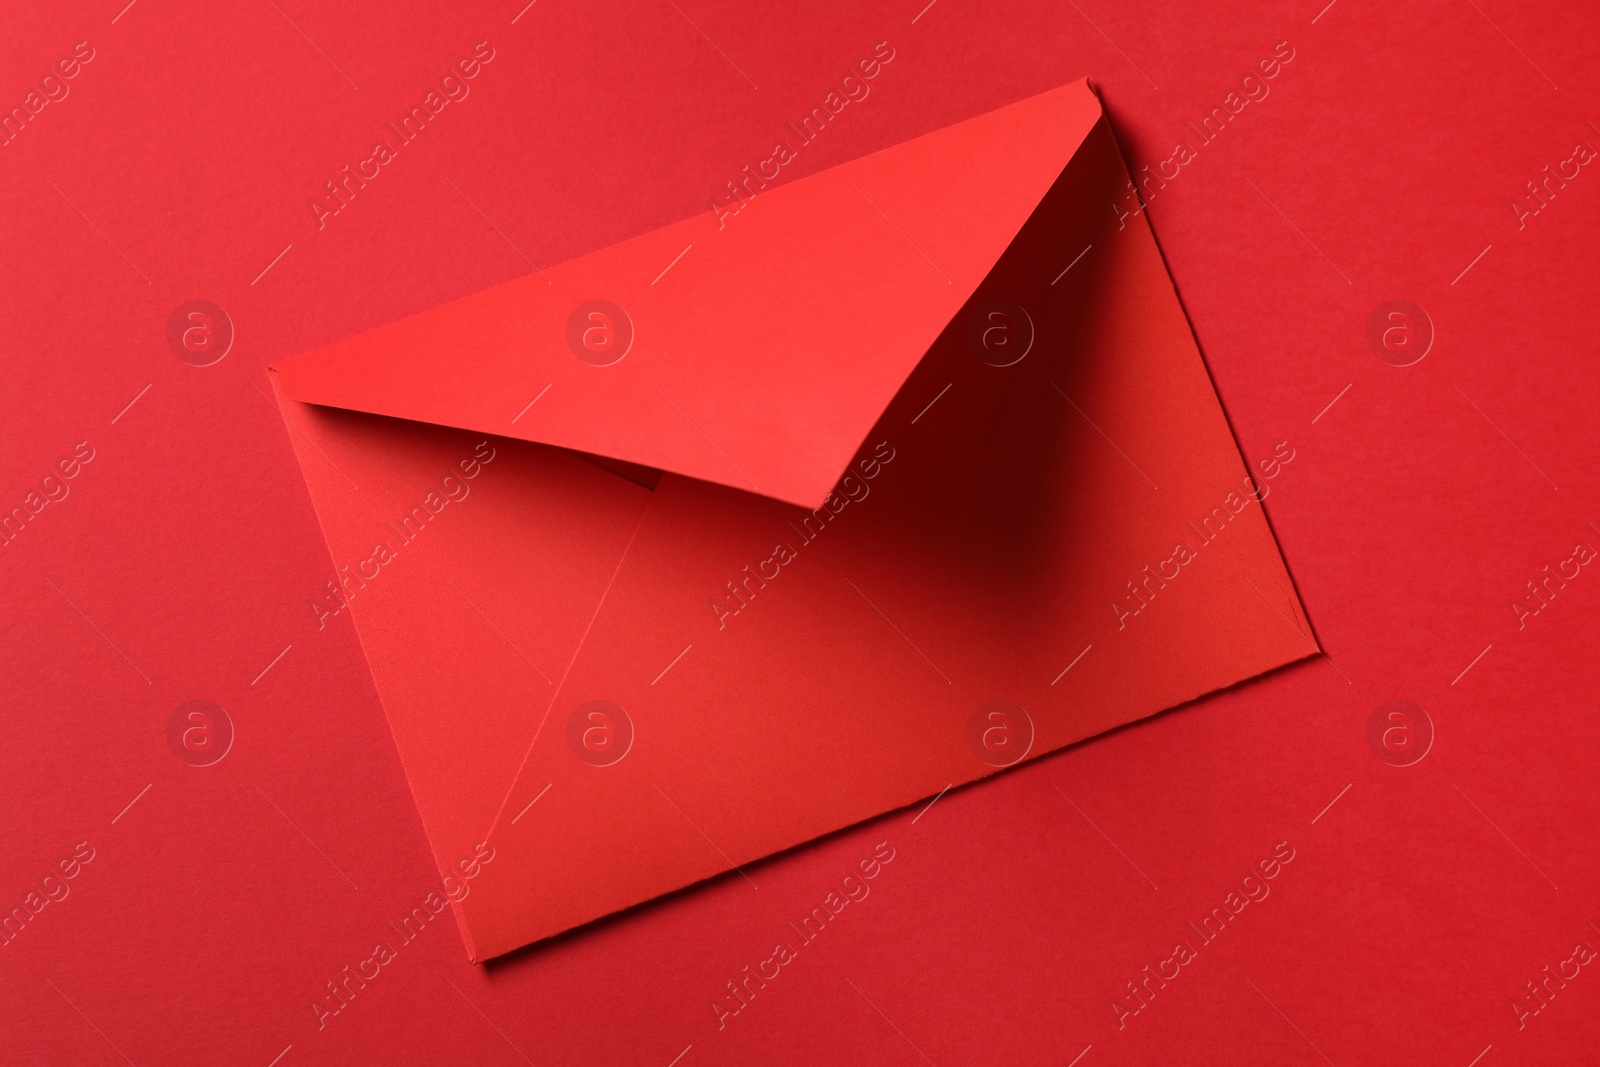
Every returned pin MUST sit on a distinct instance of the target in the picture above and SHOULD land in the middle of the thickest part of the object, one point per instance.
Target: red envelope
(870, 484)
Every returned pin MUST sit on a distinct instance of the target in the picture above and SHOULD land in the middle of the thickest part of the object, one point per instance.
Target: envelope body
(754, 527)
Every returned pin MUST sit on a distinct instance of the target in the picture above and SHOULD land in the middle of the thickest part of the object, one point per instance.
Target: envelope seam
(576, 654)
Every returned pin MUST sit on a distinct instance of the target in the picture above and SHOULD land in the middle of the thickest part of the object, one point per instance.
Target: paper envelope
(789, 514)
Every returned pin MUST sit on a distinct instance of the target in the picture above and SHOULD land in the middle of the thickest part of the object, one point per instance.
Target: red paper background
(1381, 165)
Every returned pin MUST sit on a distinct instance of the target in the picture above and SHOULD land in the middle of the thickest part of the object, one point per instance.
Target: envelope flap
(753, 347)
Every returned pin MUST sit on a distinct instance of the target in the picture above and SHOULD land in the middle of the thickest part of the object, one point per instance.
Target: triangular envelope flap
(754, 349)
